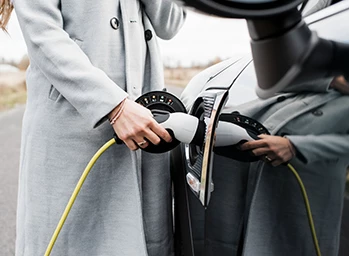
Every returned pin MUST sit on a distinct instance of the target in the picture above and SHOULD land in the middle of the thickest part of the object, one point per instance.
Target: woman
(89, 61)
(257, 208)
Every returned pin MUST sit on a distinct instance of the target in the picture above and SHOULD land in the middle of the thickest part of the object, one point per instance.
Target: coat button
(317, 112)
(114, 23)
(148, 34)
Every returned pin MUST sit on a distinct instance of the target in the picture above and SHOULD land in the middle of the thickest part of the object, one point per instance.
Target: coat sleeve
(166, 17)
(63, 63)
(318, 86)
(326, 147)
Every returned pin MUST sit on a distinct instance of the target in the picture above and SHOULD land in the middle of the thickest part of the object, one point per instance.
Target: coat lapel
(133, 48)
(298, 108)
(255, 108)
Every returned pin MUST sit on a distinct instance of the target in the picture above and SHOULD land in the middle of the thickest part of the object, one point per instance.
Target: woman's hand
(136, 126)
(272, 149)
(340, 84)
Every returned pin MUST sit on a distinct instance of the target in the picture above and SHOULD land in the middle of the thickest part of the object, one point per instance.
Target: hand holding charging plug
(181, 126)
(340, 84)
(275, 150)
(233, 130)
(184, 127)
(232, 134)
(136, 126)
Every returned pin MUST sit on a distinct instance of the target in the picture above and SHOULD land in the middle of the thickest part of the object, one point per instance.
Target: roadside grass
(10, 96)
(12, 89)
(180, 76)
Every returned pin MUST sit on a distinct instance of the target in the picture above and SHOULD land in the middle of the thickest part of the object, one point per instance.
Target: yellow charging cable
(75, 194)
(111, 142)
(307, 206)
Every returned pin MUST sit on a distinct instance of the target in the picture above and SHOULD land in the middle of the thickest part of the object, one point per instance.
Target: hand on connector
(340, 84)
(275, 150)
(136, 126)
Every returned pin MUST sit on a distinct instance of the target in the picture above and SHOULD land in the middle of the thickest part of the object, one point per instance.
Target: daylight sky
(201, 39)
(204, 37)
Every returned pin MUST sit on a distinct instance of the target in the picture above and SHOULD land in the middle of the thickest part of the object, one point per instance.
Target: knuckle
(128, 134)
(123, 136)
(136, 130)
(142, 127)
(269, 143)
(149, 122)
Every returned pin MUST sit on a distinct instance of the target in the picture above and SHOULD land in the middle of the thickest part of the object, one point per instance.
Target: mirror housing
(248, 9)
(284, 49)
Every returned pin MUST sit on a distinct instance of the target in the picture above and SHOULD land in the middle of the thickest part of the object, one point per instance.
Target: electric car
(238, 78)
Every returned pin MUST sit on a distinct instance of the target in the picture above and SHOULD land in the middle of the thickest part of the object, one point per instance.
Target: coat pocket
(78, 41)
(54, 93)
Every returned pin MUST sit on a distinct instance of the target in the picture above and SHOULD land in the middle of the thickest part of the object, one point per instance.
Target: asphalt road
(10, 129)
(10, 132)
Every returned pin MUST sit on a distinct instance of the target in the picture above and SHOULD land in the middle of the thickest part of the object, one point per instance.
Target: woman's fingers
(340, 84)
(137, 127)
(272, 149)
(276, 163)
(261, 151)
(131, 144)
(249, 145)
(160, 131)
(142, 143)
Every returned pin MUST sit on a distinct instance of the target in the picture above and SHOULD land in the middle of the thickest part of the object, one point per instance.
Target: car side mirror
(247, 9)
(285, 51)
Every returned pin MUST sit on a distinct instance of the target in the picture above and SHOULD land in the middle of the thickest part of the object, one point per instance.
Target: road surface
(10, 132)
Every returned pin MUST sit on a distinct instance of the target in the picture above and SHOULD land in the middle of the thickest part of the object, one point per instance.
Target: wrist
(291, 147)
(115, 110)
(115, 113)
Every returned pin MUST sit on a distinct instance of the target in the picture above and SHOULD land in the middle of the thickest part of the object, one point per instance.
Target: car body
(237, 75)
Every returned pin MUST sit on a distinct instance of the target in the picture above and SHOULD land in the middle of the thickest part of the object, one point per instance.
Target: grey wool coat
(86, 57)
(257, 209)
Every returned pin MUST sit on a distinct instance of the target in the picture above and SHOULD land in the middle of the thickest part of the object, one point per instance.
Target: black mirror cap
(255, 9)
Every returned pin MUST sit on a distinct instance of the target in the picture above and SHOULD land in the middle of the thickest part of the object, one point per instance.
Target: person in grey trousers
(89, 61)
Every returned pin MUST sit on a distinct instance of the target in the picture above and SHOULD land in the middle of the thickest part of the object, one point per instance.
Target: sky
(12, 45)
(201, 39)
